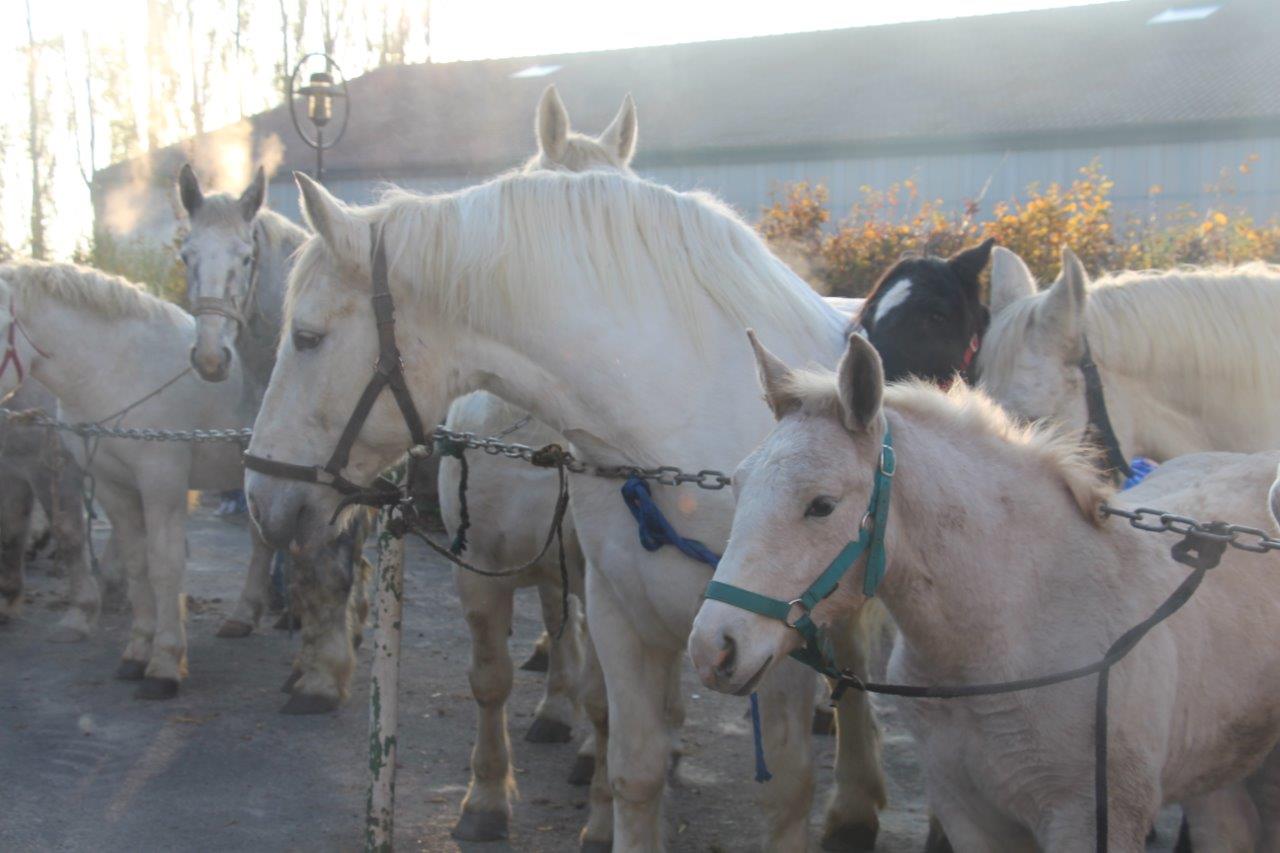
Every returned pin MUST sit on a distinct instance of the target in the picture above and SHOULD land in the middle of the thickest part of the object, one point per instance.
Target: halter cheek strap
(797, 613)
(1100, 426)
(388, 372)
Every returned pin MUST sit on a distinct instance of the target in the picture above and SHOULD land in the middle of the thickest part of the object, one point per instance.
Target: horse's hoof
(539, 661)
(293, 679)
(584, 767)
(67, 634)
(301, 704)
(288, 622)
(596, 846)
(156, 689)
(481, 826)
(548, 731)
(234, 629)
(824, 721)
(937, 841)
(851, 838)
(1183, 844)
(131, 670)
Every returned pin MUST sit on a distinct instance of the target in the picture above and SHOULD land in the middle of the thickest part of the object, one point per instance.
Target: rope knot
(447, 446)
(551, 456)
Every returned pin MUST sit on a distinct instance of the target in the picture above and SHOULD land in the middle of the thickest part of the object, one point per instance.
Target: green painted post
(380, 807)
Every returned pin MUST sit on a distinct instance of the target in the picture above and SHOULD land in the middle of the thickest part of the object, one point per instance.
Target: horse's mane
(507, 252)
(280, 230)
(962, 409)
(1213, 325)
(110, 296)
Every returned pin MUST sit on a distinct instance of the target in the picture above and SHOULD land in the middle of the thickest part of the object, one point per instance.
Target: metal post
(319, 155)
(383, 696)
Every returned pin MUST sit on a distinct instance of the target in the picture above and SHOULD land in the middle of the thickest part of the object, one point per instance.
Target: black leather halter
(1099, 427)
(388, 372)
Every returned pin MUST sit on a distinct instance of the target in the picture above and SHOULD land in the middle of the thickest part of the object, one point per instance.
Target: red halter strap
(972, 350)
(11, 345)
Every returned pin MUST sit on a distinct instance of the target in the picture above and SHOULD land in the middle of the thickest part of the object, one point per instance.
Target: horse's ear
(330, 218)
(969, 263)
(552, 125)
(1011, 279)
(620, 136)
(774, 379)
(253, 196)
(859, 384)
(1063, 308)
(189, 189)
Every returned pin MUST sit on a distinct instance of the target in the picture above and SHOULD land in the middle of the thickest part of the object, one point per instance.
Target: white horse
(102, 345)
(237, 254)
(1186, 357)
(611, 308)
(511, 509)
(1191, 717)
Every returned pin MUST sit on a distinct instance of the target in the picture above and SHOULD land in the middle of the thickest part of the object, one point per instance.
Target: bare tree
(37, 143)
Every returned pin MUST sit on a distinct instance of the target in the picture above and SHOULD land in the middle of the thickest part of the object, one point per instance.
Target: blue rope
(656, 531)
(762, 770)
(1141, 467)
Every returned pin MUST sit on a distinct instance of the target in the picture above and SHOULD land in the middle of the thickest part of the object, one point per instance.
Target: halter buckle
(792, 605)
(888, 461)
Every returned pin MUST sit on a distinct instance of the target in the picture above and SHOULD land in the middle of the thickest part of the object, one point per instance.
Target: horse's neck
(978, 550)
(257, 342)
(1161, 420)
(634, 387)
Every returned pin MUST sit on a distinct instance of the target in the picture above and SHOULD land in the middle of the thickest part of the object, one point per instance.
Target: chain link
(1238, 536)
(35, 417)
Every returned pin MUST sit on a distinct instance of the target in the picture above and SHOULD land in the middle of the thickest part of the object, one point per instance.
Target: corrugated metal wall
(1183, 171)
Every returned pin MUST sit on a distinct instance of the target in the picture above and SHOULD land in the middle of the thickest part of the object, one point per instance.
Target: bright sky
(460, 29)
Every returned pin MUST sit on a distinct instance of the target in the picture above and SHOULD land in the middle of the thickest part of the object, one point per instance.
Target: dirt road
(83, 766)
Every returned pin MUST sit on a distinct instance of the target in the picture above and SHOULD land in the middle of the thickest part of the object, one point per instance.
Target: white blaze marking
(898, 293)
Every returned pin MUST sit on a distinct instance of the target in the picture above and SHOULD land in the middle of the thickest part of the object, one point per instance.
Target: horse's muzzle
(214, 369)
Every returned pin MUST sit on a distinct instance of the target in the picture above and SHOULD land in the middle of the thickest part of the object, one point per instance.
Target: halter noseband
(797, 613)
(1099, 425)
(388, 372)
(11, 344)
(225, 306)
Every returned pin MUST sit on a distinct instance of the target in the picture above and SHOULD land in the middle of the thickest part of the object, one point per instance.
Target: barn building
(1165, 94)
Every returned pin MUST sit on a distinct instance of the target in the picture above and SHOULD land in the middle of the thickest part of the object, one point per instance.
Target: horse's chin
(285, 512)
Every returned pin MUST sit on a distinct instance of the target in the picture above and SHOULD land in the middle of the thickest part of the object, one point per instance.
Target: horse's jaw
(285, 511)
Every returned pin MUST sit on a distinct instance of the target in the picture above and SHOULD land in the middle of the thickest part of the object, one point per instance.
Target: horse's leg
(112, 573)
(553, 721)
(128, 531)
(786, 717)
(1264, 790)
(15, 521)
(486, 809)
(636, 677)
(58, 495)
(253, 597)
(320, 595)
(1224, 820)
(164, 509)
(539, 658)
(674, 704)
(852, 818)
(597, 835)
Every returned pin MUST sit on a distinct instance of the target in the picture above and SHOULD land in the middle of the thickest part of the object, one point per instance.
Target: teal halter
(797, 613)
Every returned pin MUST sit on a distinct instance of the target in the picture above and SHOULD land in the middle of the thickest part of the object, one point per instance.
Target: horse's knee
(638, 784)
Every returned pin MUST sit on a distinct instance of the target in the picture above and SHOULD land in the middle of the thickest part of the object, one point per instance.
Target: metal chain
(1158, 521)
(35, 417)
(666, 475)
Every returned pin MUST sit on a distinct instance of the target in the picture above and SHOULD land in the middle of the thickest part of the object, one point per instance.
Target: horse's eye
(820, 507)
(306, 340)
(937, 318)
(246, 260)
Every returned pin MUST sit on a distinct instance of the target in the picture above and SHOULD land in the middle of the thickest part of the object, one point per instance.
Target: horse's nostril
(728, 657)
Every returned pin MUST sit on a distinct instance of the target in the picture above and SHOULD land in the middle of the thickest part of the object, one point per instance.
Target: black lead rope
(1099, 421)
(1199, 552)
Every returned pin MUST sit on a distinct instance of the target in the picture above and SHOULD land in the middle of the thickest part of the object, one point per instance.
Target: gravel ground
(83, 766)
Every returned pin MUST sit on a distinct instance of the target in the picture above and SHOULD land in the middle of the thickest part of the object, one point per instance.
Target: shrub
(884, 225)
(154, 266)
